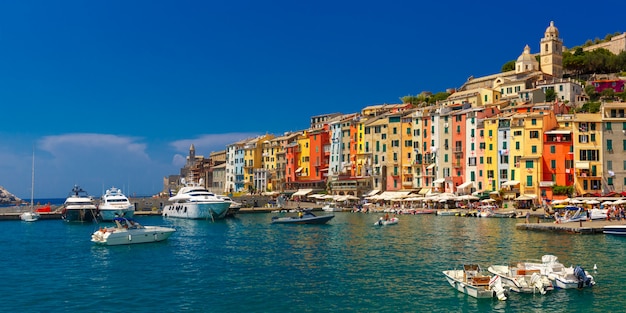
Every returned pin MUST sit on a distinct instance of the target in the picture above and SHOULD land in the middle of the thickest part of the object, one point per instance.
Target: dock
(586, 227)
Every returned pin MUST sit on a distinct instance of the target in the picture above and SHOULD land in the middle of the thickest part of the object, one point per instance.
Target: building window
(529, 164)
(553, 149)
(529, 181)
(534, 149)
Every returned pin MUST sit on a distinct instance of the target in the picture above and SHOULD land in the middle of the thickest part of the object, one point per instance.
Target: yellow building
(588, 151)
(527, 140)
(253, 159)
(490, 157)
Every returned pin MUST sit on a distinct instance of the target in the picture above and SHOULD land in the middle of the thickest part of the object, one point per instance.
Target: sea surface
(247, 264)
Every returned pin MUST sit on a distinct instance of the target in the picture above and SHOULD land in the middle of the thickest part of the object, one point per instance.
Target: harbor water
(247, 264)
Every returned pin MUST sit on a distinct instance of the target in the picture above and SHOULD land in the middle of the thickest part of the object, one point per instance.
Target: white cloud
(206, 144)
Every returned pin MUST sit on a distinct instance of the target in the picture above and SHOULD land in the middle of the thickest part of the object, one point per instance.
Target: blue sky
(113, 93)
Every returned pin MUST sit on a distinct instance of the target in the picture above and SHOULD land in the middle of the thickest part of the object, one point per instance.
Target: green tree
(508, 66)
(590, 90)
(550, 94)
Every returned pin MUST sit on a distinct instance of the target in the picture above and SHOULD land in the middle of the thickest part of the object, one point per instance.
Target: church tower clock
(552, 52)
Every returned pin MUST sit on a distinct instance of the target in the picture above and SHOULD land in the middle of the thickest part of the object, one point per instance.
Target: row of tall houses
(495, 134)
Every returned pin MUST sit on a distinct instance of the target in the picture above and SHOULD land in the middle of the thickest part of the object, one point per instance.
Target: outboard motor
(495, 283)
(582, 277)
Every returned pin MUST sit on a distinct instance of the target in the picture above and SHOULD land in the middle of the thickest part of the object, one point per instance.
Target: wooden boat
(473, 282)
(306, 217)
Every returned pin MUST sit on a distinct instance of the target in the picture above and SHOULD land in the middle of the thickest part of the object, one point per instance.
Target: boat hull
(322, 219)
(116, 237)
(108, 214)
(456, 279)
(618, 230)
(29, 216)
(80, 215)
(197, 210)
(522, 280)
(391, 221)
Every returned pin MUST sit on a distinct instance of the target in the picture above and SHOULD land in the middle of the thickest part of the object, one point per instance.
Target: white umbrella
(592, 201)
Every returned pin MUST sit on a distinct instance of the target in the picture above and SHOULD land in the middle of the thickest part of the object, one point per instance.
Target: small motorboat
(128, 231)
(306, 217)
(519, 279)
(383, 222)
(561, 277)
(473, 282)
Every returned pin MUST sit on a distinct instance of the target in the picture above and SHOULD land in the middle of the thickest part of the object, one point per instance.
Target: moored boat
(472, 281)
(194, 201)
(128, 231)
(79, 207)
(619, 230)
(30, 216)
(306, 217)
(114, 203)
(561, 277)
(517, 278)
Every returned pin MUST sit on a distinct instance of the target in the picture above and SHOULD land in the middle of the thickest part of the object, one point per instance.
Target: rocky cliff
(7, 197)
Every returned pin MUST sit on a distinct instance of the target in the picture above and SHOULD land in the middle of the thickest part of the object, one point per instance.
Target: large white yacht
(194, 201)
(114, 203)
(79, 207)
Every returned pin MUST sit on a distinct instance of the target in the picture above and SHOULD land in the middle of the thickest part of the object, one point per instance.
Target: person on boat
(386, 216)
(300, 214)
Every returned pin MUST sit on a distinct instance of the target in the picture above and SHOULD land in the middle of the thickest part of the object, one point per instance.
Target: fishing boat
(79, 207)
(306, 217)
(561, 277)
(518, 278)
(128, 231)
(472, 281)
(194, 201)
(114, 203)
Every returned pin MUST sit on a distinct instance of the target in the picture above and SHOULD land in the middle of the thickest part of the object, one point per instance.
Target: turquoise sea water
(246, 264)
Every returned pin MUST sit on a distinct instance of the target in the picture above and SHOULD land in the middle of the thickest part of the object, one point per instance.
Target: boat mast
(32, 187)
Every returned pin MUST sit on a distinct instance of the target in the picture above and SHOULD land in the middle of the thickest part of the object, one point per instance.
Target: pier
(586, 227)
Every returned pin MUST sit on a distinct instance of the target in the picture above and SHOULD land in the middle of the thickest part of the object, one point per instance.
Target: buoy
(595, 267)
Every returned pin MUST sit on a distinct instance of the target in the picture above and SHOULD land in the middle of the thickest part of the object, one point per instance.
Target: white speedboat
(196, 202)
(473, 282)
(128, 231)
(79, 207)
(561, 277)
(578, 216)
(114, 203)
(598, 214)
(517, 278)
